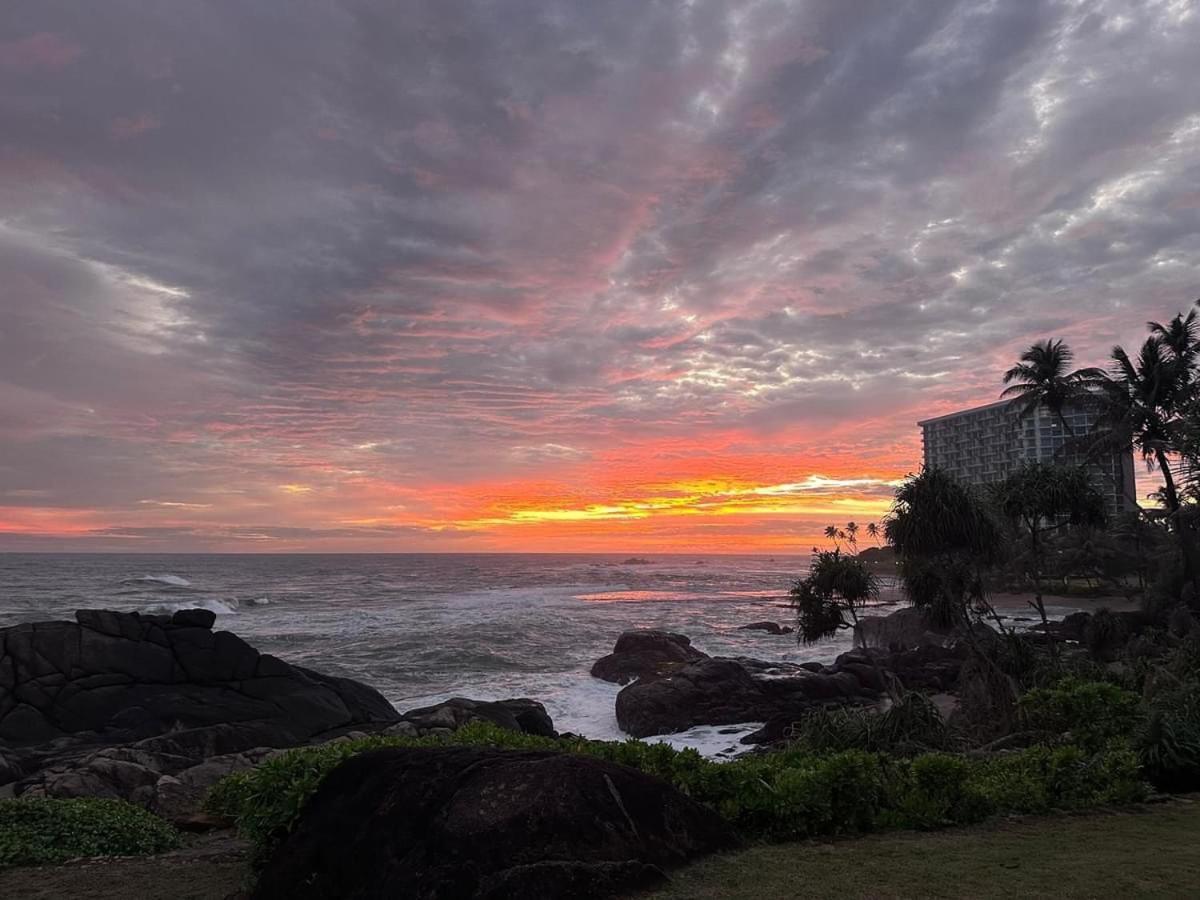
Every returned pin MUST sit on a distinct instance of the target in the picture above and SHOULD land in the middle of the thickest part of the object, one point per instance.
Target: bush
(909, 727)
(41, 830)
(1091, 714)
(789, 794)
(939, 792)
(1040, 779)
(1169, 744)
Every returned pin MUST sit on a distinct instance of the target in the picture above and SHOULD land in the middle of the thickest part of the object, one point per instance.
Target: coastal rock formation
(678, 687)
(115, 677)
(155, 710)
(905, 629)
(768, 627)
(646, 654)
(483, 823)
(725, 692)
(523, 715)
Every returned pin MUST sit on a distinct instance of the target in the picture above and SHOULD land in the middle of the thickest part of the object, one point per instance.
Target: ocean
(423, 628)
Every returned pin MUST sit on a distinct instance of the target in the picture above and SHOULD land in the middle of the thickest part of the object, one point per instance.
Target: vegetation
(1041, 380)
(41, 830)
(829, 599)
(788, 794)
(1147, 400)
(945, 536)
(1040, 499)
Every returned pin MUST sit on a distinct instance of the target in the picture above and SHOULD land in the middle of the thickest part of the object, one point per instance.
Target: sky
(538, 275)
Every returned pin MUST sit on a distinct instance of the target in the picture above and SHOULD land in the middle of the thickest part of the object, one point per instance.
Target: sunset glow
(620, 277)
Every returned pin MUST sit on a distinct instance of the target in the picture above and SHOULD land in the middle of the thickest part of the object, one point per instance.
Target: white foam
(712, 741)
(173, 580)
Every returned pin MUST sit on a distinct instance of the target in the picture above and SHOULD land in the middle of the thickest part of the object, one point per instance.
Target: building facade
(985, 444)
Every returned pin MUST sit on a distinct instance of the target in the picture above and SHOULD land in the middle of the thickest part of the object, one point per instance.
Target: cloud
(423, 258)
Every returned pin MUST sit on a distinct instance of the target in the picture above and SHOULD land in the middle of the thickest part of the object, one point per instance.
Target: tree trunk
(1185, 543)
(1038, 602)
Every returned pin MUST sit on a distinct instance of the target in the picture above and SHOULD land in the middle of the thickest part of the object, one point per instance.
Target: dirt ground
(208, 867)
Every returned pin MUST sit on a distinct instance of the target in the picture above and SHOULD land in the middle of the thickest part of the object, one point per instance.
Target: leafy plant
(1090, 714)
(783, 795)
(40, 830)
(1169, 743)
(911, 726)
(829, 598)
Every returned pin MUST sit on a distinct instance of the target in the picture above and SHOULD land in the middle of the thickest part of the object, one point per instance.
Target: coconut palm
(831, 532)
(873, 531)
(1148, 402)
(1043, 378)
(852, 535)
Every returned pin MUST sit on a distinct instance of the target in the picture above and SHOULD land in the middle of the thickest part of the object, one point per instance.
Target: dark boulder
(768, 627)
(730, 691)
(461, 822)
(928, 668)
(117, 678)
(646, 654)
(904, 629)
(527, 716)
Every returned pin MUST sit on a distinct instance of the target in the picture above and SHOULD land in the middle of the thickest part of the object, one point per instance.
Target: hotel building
(987, 443)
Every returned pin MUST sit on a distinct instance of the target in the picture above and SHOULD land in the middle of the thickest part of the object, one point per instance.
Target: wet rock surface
(646, 654)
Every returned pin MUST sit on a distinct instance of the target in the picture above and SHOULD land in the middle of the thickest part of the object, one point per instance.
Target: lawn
(1146, 852)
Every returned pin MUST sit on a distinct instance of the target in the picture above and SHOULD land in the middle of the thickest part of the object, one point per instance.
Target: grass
(1138, 852)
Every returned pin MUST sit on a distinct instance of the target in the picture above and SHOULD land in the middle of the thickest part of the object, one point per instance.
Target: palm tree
(1042, 379)
(831, 532)
(873, 531)
(852, 535)
(1147, 402)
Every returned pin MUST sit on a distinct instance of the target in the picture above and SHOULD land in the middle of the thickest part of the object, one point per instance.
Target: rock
(469, 822)
(768, 627)
(402, 730)
(194, 618)
(527, 716)
(905, 629)
(10, 767)
(730, 691)
(928, 668)
(1069, 628)
(645, 654)
(169, 687)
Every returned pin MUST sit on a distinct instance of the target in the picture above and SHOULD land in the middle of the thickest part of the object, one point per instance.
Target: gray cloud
(240, 240)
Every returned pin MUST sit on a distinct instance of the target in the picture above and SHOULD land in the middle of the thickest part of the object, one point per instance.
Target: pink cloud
(42, 51)
(128, 127)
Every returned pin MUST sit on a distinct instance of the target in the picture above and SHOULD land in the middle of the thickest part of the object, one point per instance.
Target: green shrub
(788, 794)
(938, 792)
(1088, 713)
(1040, 779)
(41, 830)
(909, 727)
(1169, 744)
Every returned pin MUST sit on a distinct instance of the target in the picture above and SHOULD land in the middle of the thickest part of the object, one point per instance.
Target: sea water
(424, 628)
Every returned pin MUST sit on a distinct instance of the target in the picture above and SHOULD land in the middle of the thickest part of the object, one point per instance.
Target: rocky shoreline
(156, 709)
